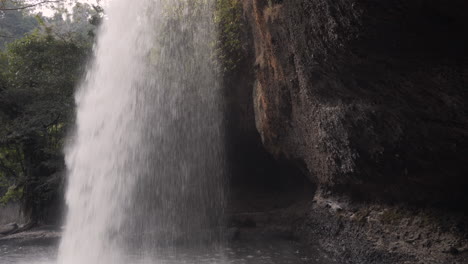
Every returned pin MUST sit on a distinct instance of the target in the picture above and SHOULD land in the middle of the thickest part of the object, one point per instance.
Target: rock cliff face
(369, 96)
(367, 99)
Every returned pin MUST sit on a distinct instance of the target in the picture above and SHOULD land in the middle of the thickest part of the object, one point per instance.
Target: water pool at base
(273, 252)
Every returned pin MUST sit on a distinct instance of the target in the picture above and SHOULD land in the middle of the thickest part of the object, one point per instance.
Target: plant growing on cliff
(228, 18)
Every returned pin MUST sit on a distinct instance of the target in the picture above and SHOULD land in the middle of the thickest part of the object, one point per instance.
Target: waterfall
(146, 160)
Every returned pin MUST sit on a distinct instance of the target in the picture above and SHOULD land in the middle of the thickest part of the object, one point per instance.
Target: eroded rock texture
(369, 95)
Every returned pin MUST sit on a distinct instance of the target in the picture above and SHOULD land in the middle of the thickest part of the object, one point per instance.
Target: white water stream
(146, 160)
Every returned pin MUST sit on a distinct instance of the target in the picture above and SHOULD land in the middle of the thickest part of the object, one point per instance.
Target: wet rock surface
(377, 233)
(340, 230)
(37, 236)
(368, 96)
(367, 100)
(8, 229)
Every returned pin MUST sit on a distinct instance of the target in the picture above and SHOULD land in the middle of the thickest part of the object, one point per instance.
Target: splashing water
(146, 159)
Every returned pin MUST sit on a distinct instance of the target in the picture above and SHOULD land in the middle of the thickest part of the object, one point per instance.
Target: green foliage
(14, 24)
(38, 74)
(78, 25)
(228, 18)
(41, 74)
(13, 194)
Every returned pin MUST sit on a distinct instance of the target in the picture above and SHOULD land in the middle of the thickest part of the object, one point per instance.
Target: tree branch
(28, 6)
(53, 122)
